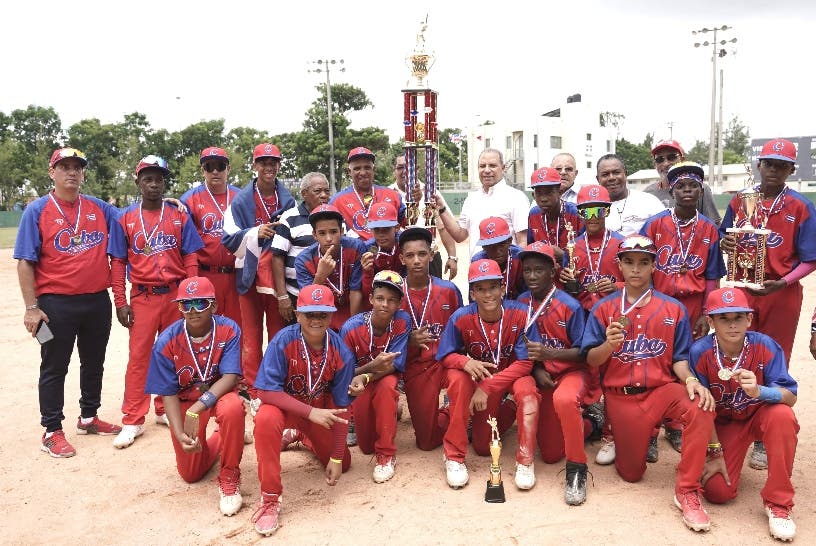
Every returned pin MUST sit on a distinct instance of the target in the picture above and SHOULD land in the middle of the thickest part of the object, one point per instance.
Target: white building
(530, 143)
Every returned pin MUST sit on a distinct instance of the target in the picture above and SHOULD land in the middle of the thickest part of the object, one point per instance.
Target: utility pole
(323, 66)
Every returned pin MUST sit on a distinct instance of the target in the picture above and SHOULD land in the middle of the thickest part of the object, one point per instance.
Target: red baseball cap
(265, 149)
(195, 288)
(545, 176)
(493, 230)
(484, 270)
(315, 297)
(360, 151)
(673, 144)
(538, 248)
(637, 243)
(152, 162)
(213, 152)
(779, 148)
(66, 153)
(382, 214)
(593, 194)
(727, 300)
(325, 212)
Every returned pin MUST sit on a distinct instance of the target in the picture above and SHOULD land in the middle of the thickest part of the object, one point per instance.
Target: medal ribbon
(313, 384)
(507, 287)
(684, 252)
(623, 301)
(155, 229)
(371, 336)
(531, 319)
(595, 272)
(260, 197)
(366, 208)
(205, 376)
(496, 357)
(740, 359)
(418, 324)
(75, 228)
(780, 200)
(334, 287)
(218, 207)
(557, 225)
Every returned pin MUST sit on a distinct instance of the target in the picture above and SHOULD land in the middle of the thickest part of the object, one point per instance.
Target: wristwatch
(454, 258)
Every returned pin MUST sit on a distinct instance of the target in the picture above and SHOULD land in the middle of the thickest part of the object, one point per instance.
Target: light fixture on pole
(323, 65)
(714, 55)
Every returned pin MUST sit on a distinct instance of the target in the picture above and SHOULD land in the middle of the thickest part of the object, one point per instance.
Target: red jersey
(596, 260)
(551, 229)
(383, 260)
(433, 310)
(366, 346)
(207, 210)
(355, 213)
(512, 271)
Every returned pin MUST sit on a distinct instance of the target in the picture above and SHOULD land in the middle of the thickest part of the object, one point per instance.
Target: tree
(634, 156)
(736, 139)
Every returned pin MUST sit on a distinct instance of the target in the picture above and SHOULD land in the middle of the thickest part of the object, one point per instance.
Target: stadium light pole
(323, 65)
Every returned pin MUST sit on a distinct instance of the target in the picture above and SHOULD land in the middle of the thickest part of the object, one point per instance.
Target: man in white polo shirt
(495, 198)
(630, 208)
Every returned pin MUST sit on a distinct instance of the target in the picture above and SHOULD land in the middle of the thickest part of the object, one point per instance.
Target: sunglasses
(215, 166)
(637, 242)
(200, 305)
(389, 277)
(660, 159)
(155, 160)
(71, 152)
(587, 213)
(316, 315)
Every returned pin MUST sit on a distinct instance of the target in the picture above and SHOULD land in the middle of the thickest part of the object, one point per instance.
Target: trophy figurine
(571, 287)
(746, 262)
(495, 487)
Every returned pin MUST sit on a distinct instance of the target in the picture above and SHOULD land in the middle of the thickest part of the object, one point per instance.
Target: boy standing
(746, 373)
(497, 245)
(195, 366)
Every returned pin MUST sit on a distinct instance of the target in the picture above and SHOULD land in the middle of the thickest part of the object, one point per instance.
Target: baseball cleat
(128, 436)
(575, 489)
(780, 524)
(652, 453)
(759, 459)
(265, 517)
(675, 438)
(162, 420)
(456, 473)
(289, 437)
(97, 426)
(384, 470)
(525, 476)
(606, 455)
(694, 515)
(57, 446)
(229, 484)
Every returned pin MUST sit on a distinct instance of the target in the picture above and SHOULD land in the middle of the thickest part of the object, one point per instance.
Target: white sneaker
(254, 406)
(127, 436)
(525, 476)
(780, 523)
(606, 455)
(162, 420)
(384, 470)
(456, 473)
(231, 500)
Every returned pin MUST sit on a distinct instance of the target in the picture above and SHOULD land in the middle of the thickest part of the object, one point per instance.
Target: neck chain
(725, 373)
(314, 383)
(418, 324)
(205, 375)
(595, 271)
(684, 252)
(263, 203)
(76, 236)
(371, 335)
(147, 249)
(217, 206)
(620, 211)
(777, 205)
(494, 356)
(532, 317)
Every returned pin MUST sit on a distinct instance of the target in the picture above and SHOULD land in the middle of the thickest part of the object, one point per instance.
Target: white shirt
(571, 195)
(500, 200)
(628, 215)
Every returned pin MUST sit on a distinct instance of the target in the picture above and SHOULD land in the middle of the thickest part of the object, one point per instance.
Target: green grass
(7, 237)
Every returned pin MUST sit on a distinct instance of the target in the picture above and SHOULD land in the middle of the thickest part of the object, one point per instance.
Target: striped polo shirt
(292, 236)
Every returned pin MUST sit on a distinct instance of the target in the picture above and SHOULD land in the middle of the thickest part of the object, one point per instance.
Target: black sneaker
(652, 454)
(575, 489)
(595, 413)
(675, 438)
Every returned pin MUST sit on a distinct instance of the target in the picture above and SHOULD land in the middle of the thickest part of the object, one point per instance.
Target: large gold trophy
(495, 487)
(571, 287)
(746, 262)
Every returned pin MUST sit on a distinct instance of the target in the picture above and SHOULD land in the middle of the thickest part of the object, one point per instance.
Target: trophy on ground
(746, 262)
(571, 287)
(495, 487)
(419, 119)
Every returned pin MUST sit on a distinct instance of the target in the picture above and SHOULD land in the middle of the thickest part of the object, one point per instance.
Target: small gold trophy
(746, 262)
(495, 487)
(571, 287)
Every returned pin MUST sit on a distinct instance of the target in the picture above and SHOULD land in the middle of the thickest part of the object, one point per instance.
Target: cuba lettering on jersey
(682, 267)
(172, 370)
(356, 334)
(793, 224)
(656, 336)
(560, 325)
(207, 210)
(355, 214)
(69, 249)
(763, 356)
(553, 231)
(512, 271)
(285, 368)
(383, 260)
(602, 251)
(464, 335)
(433, 311)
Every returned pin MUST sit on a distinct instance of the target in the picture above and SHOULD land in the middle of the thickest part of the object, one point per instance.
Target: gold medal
(203, 387)
(725, 374)
(623, 321)
(77, 239)
(592, 287)
(147, 250)
(683, 268)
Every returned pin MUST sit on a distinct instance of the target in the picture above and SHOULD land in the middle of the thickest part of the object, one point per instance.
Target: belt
(217, 268)
(628, 390)
(162, 289)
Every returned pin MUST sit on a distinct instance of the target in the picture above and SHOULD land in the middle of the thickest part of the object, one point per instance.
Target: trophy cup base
(494, 493)
(572, 288)
(741, 284)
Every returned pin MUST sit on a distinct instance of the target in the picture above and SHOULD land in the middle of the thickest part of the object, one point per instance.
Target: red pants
(773, 315)
(226, 295)
(776, 426)
(269, 424)
(152, 313)
(635, 416)
(228, 440)
(694, 306)
(460, 390)
(375, 417)
(561, 429)
(423, 383)
(254, 306)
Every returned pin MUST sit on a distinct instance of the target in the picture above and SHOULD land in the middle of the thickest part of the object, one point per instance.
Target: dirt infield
(134, 496)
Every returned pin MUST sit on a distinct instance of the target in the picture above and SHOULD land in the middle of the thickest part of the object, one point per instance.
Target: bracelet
(30, 307)
(454, 258)
(208, 399)
(333, 460)
(715, 445)
(189, 413)
(769, 394)
(442, 210)
(284, 297)
(367, 377)
(714, 453)
(691, 378)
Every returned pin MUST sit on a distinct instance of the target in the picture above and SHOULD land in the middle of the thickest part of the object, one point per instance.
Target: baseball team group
(597, 314)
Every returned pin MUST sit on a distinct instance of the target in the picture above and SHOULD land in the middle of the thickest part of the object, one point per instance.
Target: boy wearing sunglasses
(483, 347)
(550, 215)
(379, 341)
(207, 204)
(747, 374)
(158, 245)
(382, 250)
(641, 338)
(195, 366)
(497, 245)
(430, 301)
(303, 382)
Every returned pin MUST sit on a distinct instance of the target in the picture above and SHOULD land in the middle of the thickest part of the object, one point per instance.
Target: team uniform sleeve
(304, 277)
(776, 372)
(696, 352)
(342, 379)
(231, 356)
(715, 265)
(682, 338)
(190, 239)
(594, 332)
(117, 242)
(28, 244)
(400, 344)
(161, 375)
(274, 367)
(806, 236)
(449, 346)
(356, 280)
(576, 324)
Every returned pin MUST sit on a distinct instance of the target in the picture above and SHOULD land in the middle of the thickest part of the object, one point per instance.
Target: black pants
(85, 318)
(436, 266)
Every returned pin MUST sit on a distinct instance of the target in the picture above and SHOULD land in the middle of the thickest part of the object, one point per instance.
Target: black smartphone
(44, 334)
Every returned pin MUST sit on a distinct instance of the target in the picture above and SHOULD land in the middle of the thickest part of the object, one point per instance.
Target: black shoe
(595, 413)
(675, 438)
(575, 490)
(652, 454)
